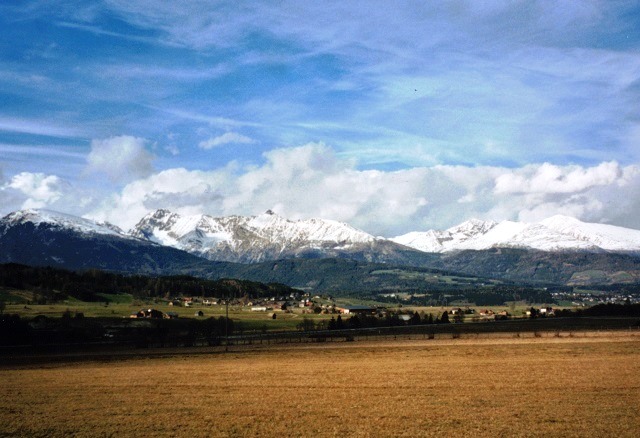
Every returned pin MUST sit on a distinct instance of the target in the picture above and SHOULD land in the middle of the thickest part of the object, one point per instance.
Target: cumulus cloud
(549, 178)
(314, 181)
(226, 138)
(121, 158)
(40, 190)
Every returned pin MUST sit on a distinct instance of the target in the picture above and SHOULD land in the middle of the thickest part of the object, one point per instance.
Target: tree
(444, 319)
(354, 322)
(306, 325)
(459, 317)
(3, 306)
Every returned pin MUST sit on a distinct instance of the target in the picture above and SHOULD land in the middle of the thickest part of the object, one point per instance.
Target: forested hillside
(52, 284)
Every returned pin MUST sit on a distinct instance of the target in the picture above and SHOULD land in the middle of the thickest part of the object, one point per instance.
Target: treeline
(498, 295)
(631, 310)
(52, 284)
(624, 289)
(391, 319)
(77, 330)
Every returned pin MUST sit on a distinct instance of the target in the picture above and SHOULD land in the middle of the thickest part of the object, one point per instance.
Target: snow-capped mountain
(557, 233)
(249, 238)
(442, 241)
(558, 250)
(269, 236)
(60, 221)
(48, 238)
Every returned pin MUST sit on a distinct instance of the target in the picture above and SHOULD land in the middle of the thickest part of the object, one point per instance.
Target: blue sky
(390, 116)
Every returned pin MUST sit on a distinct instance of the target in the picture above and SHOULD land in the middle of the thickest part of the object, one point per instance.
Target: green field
(249, 320)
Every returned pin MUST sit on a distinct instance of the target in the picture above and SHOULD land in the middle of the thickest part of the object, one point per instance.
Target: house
(547, 311)
(148, 313)
(349, 310)
(259, 309)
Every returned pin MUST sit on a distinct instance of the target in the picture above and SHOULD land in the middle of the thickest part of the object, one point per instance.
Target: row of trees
(357, 321)
(51, 285)
(72, 329)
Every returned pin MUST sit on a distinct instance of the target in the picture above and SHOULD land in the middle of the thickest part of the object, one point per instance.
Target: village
(319, 305)
(587, 298)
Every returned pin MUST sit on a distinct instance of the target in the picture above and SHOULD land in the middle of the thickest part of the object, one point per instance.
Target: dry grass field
(578, 386)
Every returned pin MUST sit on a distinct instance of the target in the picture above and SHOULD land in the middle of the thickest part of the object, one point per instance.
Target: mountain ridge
(44, 238)
(268, 236)
(557, 233)
(252, 239)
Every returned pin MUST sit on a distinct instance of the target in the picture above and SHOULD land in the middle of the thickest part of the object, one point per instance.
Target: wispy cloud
(41, 151)
(484, 89)
(39, 127)
(96, 30)
(226, 138)
(165, 73)
(210, 120)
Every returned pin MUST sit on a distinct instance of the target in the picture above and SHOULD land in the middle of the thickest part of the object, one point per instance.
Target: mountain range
(269, 237)
(557, 233)
(559, 250)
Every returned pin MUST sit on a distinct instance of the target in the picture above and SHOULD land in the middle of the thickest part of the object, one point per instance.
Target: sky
(390, 116)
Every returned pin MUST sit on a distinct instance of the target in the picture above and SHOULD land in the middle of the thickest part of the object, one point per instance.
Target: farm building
(148, 313)
(349, 310)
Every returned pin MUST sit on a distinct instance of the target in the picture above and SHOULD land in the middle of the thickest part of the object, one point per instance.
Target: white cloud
(226, 138)
(39, 189)
(313, 181)
(37, 127)
(121, 158)
(549, 178)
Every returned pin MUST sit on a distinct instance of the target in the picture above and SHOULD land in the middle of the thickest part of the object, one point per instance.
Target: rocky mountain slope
(323, 255)
(252, 239)
(45, 238)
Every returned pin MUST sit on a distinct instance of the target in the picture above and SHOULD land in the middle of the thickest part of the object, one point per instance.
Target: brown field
(568, 386)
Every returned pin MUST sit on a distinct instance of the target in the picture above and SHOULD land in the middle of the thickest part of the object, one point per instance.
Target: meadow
(583, 385)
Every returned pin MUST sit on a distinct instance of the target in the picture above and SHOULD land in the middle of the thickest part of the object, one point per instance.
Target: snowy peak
(247, 238)
(557, 233)
(60, 221)
(268, 236)
(471, 228)
(608, 237)
(447, 240)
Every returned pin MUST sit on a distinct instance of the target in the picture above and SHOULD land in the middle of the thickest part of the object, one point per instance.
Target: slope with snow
(268, 236)
(558, 233)
(60, 221)
(607, 237)
(253, 238)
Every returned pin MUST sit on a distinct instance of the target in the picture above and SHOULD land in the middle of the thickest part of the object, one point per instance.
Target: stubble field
(578, 386)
